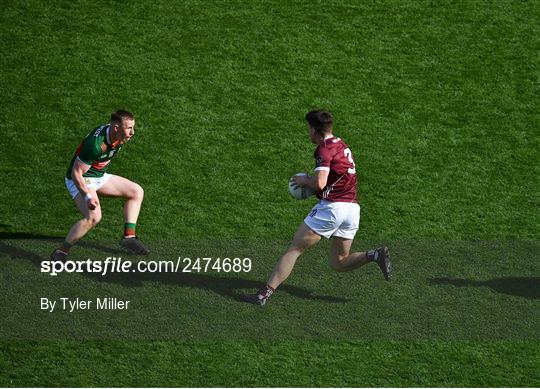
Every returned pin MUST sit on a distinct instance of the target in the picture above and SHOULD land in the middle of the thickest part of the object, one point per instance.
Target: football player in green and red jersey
(87, 179)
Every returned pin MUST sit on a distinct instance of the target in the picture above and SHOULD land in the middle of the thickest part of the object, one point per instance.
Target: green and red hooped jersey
(97, 151)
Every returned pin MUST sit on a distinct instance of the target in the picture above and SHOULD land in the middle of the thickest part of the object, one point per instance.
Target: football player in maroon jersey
(336, 216)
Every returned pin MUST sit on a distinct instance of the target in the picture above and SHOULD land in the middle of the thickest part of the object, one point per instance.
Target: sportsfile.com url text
(118, 265)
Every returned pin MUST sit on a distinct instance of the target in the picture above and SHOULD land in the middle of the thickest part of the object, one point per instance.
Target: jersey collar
(327, 138)
(108, 138)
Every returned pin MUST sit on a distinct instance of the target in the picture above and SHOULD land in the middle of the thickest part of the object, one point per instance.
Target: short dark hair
(120, 115)
(320, 120)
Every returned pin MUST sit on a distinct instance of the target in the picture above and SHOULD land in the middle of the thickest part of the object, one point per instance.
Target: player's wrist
(313, 183)
(306, 181)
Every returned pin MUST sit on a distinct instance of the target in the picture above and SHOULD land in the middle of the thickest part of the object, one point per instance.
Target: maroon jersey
(334, 156)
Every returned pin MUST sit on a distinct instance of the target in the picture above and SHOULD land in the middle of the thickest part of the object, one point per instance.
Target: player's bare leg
(303, 239)
(342, 261)
(91, 217)
(133, 194)
(340, 257)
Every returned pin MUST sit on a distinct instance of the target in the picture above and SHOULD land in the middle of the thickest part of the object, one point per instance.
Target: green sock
(129, 229)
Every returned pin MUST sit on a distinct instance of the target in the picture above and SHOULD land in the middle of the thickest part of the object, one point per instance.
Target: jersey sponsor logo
(109, 155)
(326, 192)
(329, 188)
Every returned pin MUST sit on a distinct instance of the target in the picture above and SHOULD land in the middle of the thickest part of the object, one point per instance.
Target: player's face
(127, 130)
(314, 135)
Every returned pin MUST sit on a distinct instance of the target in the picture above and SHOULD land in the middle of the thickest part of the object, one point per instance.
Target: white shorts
(334, 219)
(91, 182)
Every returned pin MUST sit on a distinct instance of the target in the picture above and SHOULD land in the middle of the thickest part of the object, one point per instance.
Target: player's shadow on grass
(527, 287)
(14, 251)
(224, 286)
(228, 287)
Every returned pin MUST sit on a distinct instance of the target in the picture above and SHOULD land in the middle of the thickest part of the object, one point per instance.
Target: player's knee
(137, 192)
(93, 219)
(338, 263)
(297, 247)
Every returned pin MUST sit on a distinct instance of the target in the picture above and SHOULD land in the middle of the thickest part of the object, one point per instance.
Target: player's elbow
(79, 168)
(77, 171)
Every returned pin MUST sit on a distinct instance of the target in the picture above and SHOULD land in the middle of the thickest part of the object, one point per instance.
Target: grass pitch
(438, 102)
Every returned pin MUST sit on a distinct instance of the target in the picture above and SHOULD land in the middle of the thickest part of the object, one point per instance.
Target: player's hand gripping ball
(299, 193)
